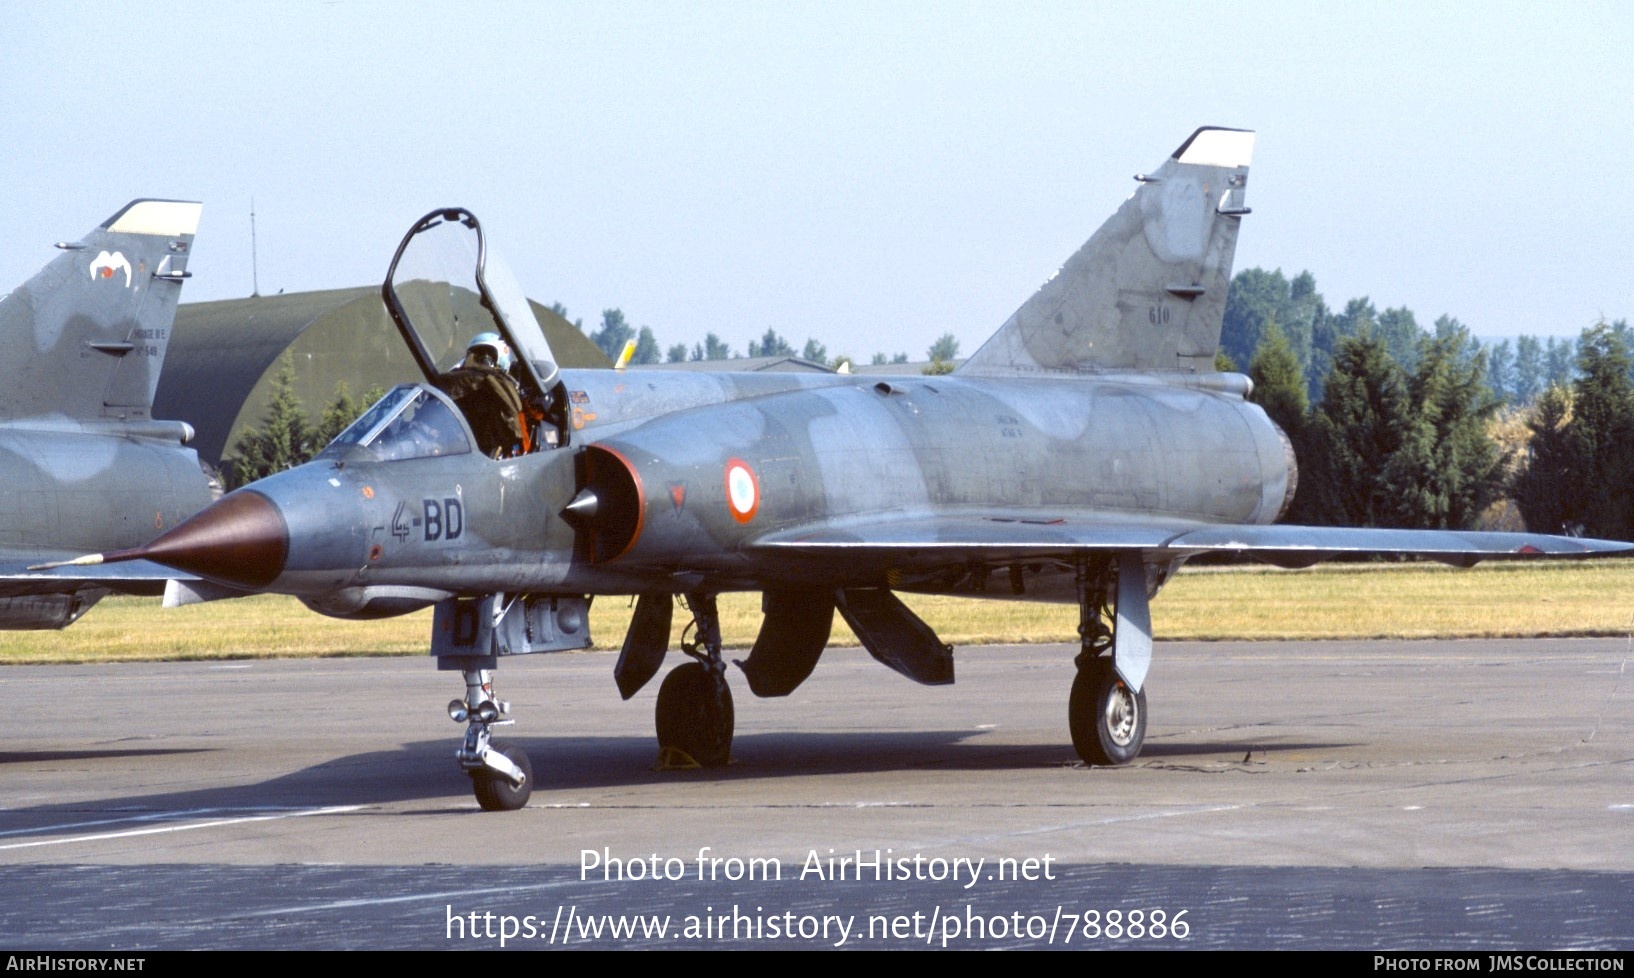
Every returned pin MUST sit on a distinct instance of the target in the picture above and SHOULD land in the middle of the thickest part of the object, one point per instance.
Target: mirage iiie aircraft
(83, 465)
(1083, 454)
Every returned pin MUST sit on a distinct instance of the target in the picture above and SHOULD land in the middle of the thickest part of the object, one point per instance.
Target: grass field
(1533, 599)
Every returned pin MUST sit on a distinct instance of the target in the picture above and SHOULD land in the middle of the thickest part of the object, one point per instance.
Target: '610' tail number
(439, 519)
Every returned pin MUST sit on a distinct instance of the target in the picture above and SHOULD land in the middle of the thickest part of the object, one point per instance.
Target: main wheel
(1108, 719)
(695, 715)
(494, 791)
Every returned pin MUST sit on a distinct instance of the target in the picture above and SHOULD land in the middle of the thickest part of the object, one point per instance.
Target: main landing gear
(1108, 719)
(501, 777)
(1107, 712)
(694, 715)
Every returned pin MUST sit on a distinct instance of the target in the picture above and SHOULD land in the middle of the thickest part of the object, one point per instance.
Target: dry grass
(1533, 599)
(1498, 600)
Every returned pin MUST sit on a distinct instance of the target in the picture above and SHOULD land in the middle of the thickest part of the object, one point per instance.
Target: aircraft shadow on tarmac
(608, 762)
(418, 771)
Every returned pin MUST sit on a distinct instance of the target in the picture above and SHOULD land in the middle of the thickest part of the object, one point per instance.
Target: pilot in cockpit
(489, 397)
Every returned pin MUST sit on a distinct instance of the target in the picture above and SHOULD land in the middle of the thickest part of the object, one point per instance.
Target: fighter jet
(82, 463)
(1083, 454)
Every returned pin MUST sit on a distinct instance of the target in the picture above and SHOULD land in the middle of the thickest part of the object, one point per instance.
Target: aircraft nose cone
(241, 541)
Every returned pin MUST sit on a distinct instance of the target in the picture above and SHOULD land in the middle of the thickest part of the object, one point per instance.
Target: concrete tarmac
(1460, 794)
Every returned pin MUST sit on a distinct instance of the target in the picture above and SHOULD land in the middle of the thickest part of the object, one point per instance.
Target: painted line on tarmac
(161, 816)
(163, 829)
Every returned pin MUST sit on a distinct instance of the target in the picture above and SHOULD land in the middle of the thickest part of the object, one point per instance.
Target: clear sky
(869, 174)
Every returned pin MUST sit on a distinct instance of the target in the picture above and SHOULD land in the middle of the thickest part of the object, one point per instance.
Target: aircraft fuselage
(83, 485)
(688, 469)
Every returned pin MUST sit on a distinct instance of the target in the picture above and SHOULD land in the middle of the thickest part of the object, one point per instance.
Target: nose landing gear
(501, 777)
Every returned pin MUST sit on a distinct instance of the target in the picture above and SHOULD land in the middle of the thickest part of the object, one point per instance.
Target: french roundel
(742, 490)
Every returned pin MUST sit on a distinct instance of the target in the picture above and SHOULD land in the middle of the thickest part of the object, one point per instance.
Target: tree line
(615, 331)
(1515, 374)
(1398, 426)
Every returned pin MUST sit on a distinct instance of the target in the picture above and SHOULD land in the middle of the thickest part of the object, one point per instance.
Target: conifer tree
(770, 345)
(1354, 434)
(1545, 490)
(1280, 389)
(1528, 376)
(284, 438)
(1279, 386)
(712, 348)
(1447, 469)
(646, 347)
(1602, 433)
(941, 353)
(615, 331)
(341, 411)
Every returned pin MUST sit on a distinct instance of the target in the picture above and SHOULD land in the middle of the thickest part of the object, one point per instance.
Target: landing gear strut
(695, 715)
(470, 636)
(501, 777)
(1106, 713)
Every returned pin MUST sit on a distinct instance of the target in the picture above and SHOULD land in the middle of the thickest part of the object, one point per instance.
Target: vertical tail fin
(1148, 290)
(86, 336)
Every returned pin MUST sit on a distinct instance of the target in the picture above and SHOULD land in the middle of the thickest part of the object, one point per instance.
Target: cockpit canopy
(411, 421)
(444, 281)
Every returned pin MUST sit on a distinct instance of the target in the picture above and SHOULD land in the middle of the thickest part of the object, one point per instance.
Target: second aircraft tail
(86, 336)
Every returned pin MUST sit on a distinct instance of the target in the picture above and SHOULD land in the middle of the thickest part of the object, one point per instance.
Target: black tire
(1107, 718)
(495, 793)
(695, 715)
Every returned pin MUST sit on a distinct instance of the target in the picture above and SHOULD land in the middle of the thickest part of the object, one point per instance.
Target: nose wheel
(501, 777)
(496, 792)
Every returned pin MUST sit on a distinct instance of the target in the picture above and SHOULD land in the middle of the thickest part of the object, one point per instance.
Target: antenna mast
(255, 276)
